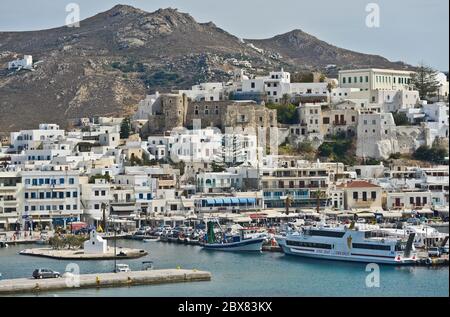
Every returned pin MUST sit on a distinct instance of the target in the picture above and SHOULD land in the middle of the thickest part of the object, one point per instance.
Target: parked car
(45, 273)
(122, 268)
(413, 221)
(434, 251)
(444, 249)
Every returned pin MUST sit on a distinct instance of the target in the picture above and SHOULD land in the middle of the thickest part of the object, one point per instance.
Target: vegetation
(125, 128)
(286, 113)
(424, 80)
(435, 154)
(161, 78)
(400, 118)
(99, 176)
(130, 66)
(68, 241)
(395, 156)
(302, 77)
(217, 168)
(339, 148)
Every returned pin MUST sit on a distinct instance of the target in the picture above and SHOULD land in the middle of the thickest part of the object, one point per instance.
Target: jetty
(102, 280)
(79, 254)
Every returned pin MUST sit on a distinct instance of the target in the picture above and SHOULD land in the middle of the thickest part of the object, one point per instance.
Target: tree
(125, 128)
(425, 81)
(400, 118)
(285, 99)
(434, 154)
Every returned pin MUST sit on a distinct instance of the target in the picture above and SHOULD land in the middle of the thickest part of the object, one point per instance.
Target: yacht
(424, 235)
(352, 242)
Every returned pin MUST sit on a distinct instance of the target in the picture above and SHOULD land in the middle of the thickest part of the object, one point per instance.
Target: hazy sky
(410, 30)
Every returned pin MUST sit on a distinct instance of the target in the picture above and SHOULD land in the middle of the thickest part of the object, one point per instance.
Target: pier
(101, 280)
(122, 253)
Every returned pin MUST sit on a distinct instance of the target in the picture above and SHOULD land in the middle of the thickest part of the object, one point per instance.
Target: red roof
(358, 184)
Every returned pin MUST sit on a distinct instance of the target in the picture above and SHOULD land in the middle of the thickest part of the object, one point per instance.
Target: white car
(434, 252)
(122, 268)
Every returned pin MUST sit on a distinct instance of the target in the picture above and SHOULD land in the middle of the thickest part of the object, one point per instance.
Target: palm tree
(320, 195)
(288, 202)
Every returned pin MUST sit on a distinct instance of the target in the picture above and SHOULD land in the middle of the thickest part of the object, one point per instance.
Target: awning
(235, 200)
(251, 200)
(332, 212)
(188, 203)
(218, 201)
(2, 221)
(258, 216)
(365, 215)
(242, 219)
(242, 200)
(392, 214)
(123, 208)
(345, 215)
(12, 220)
(424, 211)
(227, 200)
(210, 201)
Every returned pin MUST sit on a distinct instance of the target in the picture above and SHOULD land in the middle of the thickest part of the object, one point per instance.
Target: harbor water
(240, 274)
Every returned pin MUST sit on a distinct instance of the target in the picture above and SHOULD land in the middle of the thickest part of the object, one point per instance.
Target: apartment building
(51, 197)
(10, 200)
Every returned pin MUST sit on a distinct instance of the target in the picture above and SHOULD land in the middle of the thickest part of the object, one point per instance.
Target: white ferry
(348, 243)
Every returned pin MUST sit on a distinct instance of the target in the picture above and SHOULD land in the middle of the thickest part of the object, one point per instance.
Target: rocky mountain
(109, 63)
(305, 50)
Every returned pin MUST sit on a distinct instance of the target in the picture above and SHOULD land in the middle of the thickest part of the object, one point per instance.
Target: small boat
(3, 244)
(151, 239)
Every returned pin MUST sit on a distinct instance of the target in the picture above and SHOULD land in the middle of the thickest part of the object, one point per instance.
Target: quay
(122, 253)
(101, 280)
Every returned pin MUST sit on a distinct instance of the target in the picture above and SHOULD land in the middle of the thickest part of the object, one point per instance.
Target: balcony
(339, 123)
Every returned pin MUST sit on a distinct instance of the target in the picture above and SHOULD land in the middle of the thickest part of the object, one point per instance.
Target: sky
(412, 31)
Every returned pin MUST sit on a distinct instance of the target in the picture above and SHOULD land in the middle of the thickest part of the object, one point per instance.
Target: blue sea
(238, 274)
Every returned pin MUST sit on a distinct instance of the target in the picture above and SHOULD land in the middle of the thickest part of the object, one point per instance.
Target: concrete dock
(31, 285)
(122, 253)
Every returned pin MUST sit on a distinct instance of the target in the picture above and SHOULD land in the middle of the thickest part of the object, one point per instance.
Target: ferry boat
(348, 243)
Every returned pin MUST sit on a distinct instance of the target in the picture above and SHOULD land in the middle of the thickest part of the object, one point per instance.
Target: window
(373, 195)
(344, 80)
(309, 244)
(71, 181)
(371, 246)
(253, 84)
(355, 195)
(367, 79)
(326, 120)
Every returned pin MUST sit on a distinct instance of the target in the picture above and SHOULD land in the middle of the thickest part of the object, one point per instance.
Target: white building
(31, 139)
(95, 244)
(26, 62)
(375, 79)
(51, 196)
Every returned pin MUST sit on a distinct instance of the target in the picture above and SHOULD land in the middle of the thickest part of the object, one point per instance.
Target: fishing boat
(232, 241)
(348, 243)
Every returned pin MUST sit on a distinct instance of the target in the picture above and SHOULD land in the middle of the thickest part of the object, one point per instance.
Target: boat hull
(319, 254)
(253, 245)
